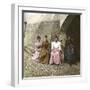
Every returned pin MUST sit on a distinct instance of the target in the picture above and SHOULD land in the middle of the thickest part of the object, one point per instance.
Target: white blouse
(56, 45)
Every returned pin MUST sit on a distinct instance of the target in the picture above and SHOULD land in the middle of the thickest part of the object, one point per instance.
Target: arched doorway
(71, 27)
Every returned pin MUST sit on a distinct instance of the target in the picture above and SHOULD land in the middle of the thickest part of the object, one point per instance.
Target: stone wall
(49, 28)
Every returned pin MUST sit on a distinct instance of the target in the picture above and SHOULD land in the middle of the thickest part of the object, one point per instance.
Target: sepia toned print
(51, 44)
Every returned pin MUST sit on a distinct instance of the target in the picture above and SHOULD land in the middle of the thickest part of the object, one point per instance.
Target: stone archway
(71, 27)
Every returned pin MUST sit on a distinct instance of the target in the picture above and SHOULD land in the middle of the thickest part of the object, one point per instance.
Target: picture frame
(17, 44)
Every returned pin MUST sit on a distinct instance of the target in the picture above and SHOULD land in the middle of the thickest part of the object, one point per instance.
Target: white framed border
(16, 52)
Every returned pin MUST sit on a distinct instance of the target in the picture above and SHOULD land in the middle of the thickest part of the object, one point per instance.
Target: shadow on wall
(71, 27)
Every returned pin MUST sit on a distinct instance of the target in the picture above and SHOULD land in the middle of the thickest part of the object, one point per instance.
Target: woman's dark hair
(38, 37)
(45, 36)
(56, 37)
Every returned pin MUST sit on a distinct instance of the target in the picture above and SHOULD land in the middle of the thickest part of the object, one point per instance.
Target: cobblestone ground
(33, 69)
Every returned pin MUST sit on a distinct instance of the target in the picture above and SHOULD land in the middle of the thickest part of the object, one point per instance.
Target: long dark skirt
(69, 56)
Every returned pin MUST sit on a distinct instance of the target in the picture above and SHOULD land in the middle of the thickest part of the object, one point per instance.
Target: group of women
(43, 54)
(46, 53)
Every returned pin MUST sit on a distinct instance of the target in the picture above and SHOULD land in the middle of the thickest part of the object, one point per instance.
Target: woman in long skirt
(69, 52)
(44, 54)
(37, 50)
(55, 57)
